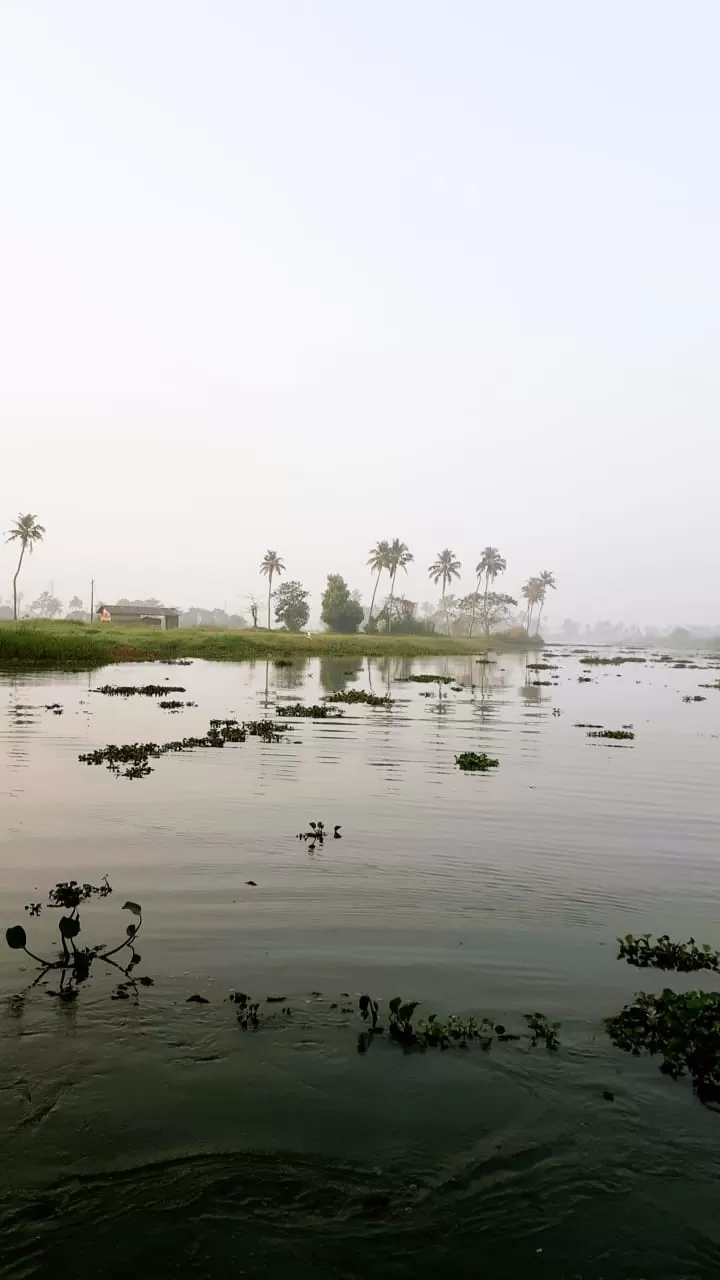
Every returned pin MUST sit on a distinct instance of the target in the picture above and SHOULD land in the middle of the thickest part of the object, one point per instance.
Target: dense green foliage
(291, 605)
(682, 957)
(476, 761)
(683, 1027)
(340, 613)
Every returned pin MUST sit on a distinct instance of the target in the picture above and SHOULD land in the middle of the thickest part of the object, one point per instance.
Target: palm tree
(532, 591)
(547, 583)
(445, 568)
(399, 557)
(377, 561)
(491, 564)
(27, 532)
(271, 564)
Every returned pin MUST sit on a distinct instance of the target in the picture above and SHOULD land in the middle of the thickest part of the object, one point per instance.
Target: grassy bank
(25, 645)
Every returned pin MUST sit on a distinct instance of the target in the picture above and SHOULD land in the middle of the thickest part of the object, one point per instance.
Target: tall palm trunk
(392, 592)
(270, 578)
(17, 574)
(487, 584)
(447, 617)
(472, 614)
(537, 624)
(372, 602)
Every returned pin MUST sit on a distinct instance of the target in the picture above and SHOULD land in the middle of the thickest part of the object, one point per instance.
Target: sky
(302, 275)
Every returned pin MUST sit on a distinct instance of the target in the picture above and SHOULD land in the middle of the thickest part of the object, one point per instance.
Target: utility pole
(92, 598)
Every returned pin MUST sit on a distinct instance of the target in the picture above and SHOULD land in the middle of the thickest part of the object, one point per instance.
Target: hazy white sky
(305, 274)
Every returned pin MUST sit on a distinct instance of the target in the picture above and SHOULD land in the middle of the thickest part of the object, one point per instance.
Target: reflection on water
(180, 1145)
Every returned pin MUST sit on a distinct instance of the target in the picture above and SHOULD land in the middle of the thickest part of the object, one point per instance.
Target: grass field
(61, 645)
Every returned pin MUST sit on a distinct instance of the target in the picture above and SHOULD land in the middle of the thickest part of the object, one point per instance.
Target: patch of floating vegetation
(74, 963)
(318, 834)
(131, 760)
(694, 697)
(144, 690)
(282, 662)
(359, 695)
(266, 730)
(616, 661)
(475, 762)
(542, 666)
(537, 683)
(317, 712)
(716, 685)
(425, 679)
(584, 679)
(173, 705)
(684, 1028)
(55, 707)
(453, 1032)
(581, 725)
(618, 735)
(682, 957)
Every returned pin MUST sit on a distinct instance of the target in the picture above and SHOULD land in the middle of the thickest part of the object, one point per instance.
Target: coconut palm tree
(445, 568)
(27, 532)
(399, 557)
(377, 561)
(547, 583)
(532, 591)
(271, 564)
(491, 563)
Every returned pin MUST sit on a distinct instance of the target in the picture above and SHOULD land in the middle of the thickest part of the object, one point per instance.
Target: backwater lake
(159, 1138)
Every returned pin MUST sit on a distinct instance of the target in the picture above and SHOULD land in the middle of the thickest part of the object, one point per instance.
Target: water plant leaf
(395, 1004)
(406, 1011)
(132, 906)
(69, 926)
(16, 937)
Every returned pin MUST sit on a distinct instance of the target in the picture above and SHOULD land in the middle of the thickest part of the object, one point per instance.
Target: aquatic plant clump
(315, 712)
(266, 730)
(425, 680)
(359, 695)
(682, 957)
(318, 834)
(694, 697)
(683, 1028)
(131, 760)
(454, 1031)
(618, 735)
(476, 762)
(74, 963)
(618, 661)
(171, 704)
(143, 690)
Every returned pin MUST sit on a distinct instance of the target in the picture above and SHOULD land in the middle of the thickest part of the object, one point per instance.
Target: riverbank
(24, 645)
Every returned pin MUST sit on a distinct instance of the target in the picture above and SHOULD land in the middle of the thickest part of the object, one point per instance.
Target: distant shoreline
(64, 645)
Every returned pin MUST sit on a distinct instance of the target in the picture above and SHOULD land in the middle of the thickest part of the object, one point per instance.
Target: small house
(139, 615)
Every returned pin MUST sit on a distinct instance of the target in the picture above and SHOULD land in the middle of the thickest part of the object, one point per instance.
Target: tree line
(341, 609)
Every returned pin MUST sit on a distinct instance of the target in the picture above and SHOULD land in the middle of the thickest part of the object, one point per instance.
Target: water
(174, 1144)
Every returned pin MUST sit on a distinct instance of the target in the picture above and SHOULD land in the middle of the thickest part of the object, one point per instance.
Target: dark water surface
(162, 1140)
